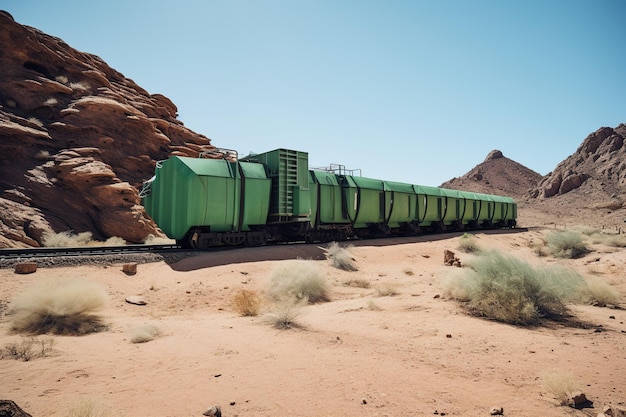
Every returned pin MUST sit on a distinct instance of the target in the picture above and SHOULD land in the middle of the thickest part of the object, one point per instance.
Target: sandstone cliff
(77, 139)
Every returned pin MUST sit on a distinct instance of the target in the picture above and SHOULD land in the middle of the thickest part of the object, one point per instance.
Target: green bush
(59, 307)
(298, 279)
(566, 244)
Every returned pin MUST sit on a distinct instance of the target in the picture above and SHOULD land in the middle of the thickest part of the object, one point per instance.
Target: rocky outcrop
(77, 139)
(497, 174)
(599, 164)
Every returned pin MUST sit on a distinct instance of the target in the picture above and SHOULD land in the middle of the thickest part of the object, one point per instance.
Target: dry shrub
(86, 407)
(386, 290)
(298, 279)
(66, 239)
(539, 248)
(112, 241)
(599, 293)
(42, 155)
(341, 258)
(35, 121)
(247, 303)
(615, 241)
(506, 289)
(285, 311)
(560, 384)
(74, 240)
(59, 307)
(566, 244)
(357, 283)
(144, 333)
(154, 240)
(371, 305)
(28, 348)
(81, 86)
(468, 244)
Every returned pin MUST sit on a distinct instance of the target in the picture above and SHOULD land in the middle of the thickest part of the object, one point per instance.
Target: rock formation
(77, 139)
(497, 174)
(599, 161)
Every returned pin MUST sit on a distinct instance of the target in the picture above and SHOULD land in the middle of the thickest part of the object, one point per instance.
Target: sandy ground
(415, 353)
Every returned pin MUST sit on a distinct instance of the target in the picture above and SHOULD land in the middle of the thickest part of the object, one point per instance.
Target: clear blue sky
(414, 91)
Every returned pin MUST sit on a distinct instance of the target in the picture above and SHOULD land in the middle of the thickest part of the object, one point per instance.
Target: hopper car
(275, 197)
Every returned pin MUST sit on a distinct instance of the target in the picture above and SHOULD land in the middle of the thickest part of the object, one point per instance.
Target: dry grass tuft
(298, 279)
(468, 244)
(599, 293)
(284, 313)
(73, 240)
(340, 257)
(247, 303)
(59, 307)
(86, 407)
(144, 333)
(386, 290)
(154, 240)
(357, 283)
(560, 384)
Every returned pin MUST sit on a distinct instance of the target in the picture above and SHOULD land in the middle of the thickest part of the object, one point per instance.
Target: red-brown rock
(77, 139)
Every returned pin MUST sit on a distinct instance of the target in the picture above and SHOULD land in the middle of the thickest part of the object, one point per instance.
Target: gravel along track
(120, 258)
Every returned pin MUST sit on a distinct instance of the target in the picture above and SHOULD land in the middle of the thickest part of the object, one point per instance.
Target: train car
(204, 202)
(221, 199)
(329, 215)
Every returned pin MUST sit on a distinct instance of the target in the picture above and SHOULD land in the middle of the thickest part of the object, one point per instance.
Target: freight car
(274, 196)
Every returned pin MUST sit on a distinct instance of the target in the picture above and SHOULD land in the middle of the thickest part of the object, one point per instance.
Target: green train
(275, 197)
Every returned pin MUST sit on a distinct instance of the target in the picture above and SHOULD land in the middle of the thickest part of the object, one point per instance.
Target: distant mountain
(77, 139)
(497, 174)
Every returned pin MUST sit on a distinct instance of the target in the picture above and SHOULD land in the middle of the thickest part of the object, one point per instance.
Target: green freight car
(274, 196)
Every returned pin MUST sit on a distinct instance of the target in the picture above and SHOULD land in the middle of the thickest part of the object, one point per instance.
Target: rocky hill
(497, 174)
(598, 163)
(587, 188)
(77, 139)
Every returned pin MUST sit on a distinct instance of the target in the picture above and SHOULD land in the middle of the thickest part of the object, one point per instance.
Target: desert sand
(398, 348)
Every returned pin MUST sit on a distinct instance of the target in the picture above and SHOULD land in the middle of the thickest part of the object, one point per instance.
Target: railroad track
(16, 254)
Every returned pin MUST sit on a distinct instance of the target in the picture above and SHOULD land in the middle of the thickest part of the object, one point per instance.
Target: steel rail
(13, 253)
